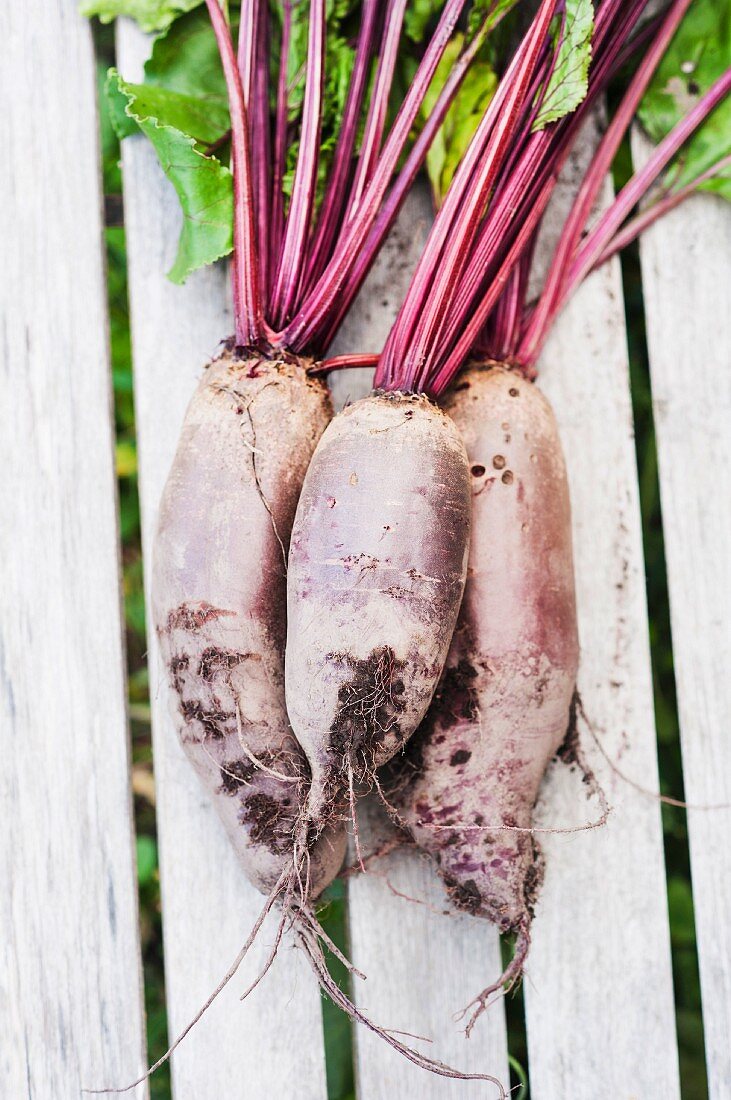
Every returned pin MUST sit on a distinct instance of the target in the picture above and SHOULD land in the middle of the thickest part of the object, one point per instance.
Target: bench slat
(70, 1005)
(598, 985)
(272, 1044)
(422, 964)
(688, 315)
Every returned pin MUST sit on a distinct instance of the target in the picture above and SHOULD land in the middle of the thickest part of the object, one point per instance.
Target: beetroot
(376, 572)
(220, 601)
(469, 777)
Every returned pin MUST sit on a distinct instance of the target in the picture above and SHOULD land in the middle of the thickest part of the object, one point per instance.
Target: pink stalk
(509, 311)
(248, 320)
(293, 253)
(608, 225)
(547, 305)
(378, 107)
(505, 210)
(263, 144)
(541, 158)
(647, 217)
(469, 336)
(341, 362)
(508, 234)
(415, 335)
(306, 326)
(333, 203)
(535, 156)
(403, 182)
(253, 62)
(246, 55)
(600, 236)
(281, 128)
(528, 156)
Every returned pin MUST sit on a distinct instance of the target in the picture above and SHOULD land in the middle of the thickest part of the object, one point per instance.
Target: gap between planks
(685, 278)
(71, 1002)
(599, 991)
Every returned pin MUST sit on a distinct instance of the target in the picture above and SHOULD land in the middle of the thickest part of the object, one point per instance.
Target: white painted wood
(687, 295)
(70, 984)
(272, 1044)
(423, 963)
(599, 997)
(598, 989)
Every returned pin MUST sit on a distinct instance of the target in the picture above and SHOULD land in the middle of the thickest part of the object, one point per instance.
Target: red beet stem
(248, 319)
(279, 160)
(647, 217)
(313, 316)
(294, 251)
(549, 302)
(600, 236)
(253, 62)
(334, 201)
(376, 118)
(416, 336)
(404, 181)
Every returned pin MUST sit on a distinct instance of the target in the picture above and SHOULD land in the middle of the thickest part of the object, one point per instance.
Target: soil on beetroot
(369, 704)
(214, 721)
(192, 617)
(270, 821)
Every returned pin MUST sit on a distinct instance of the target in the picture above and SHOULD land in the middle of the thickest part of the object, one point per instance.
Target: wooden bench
(598, 992)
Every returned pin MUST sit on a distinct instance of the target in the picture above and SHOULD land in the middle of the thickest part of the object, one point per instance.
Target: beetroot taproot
(468, 780)
(377, 568)
(219, 595)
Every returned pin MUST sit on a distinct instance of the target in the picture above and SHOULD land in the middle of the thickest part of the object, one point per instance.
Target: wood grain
(423, 963)
(598, 986)
(687, 296)
(272, 1044)
(70, 983)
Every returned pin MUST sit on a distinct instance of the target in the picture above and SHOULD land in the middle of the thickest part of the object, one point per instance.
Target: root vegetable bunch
(392, 588)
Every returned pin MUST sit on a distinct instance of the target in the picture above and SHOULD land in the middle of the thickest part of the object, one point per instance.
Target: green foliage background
(337, 1030)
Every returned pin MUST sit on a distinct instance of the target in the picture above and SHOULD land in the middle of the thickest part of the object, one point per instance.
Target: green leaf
(492, 10)
(462, 118)
(152, 15)
(569, 80)
(698, 54)
(123, 123)
(185, 59)
(205, 120)
(203, 184)
(342, 19)
(418, 16)
(421, 15)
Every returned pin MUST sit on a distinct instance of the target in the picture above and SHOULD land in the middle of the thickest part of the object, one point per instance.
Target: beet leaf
(697, 56)
(462, 118)
(176, 128)
(152, 15)
(569, 79)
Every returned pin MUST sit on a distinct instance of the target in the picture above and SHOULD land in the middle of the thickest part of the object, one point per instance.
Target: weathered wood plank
(272, 1044)
(423, 964)
(70, 983)
(599, 984)
(688, 314)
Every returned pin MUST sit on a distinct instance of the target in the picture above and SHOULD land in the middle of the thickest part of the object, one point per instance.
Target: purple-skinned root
(377, 567)
(219, 603)
(468, 780)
